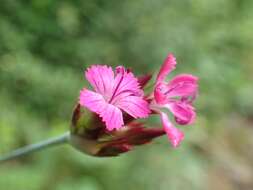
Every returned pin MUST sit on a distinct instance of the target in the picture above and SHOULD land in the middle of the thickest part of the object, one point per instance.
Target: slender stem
(35, 147)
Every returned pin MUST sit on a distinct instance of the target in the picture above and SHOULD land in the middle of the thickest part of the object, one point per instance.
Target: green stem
(35, 147)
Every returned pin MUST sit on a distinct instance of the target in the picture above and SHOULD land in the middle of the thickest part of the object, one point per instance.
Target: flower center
(116, 89)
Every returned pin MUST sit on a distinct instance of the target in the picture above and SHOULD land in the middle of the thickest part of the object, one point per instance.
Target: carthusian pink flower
(176, 96)
(114, 93)
(93, 120)
(104, 120)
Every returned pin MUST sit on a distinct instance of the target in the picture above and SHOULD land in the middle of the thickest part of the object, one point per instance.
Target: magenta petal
(160, 93)
(174, 134)
(184, 113)
(169, 64)
(134, 106)
(182, 85)
(92, 100)
(111, 115)
(101, 77)
(125, 82)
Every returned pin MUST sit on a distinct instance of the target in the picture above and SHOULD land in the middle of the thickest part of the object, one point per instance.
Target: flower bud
(89, 134)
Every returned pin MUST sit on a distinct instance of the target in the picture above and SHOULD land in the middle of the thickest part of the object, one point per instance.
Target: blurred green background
(45, 46)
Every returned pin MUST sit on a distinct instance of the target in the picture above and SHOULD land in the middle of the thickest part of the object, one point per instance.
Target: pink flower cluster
(120, 93)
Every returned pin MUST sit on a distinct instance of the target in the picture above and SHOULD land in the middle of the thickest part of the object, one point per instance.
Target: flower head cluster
(118, 99)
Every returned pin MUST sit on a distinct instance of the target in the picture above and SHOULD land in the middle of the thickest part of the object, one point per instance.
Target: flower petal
(174, 134)
(101, 77)
(160, 93)
(125, 81)
(169, 65)
(111, 115)
(184, 113)
(92, 100)
(135, 106)
(182, 85)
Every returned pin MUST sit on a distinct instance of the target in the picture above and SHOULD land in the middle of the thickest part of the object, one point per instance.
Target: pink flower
(176, 96)
(113, 93)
